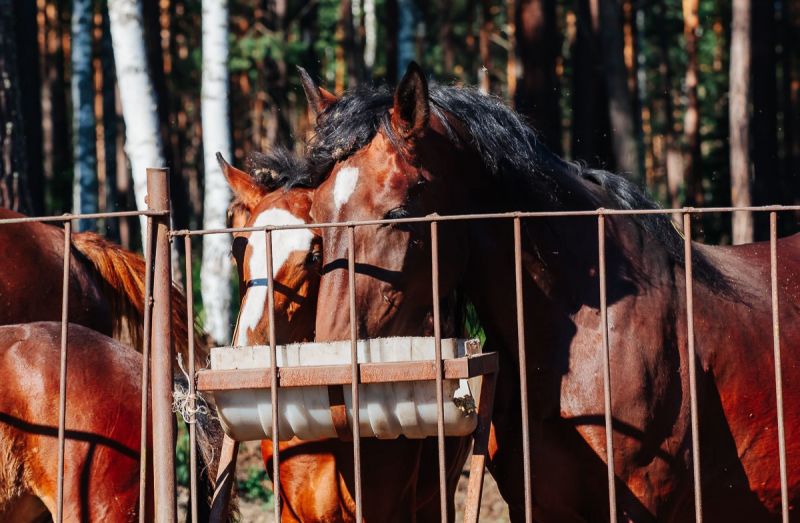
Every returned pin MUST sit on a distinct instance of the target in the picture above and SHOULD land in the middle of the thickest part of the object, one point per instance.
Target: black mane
(278, 168)
(511, 153)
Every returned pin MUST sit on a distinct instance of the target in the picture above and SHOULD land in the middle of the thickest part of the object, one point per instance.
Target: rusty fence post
(161, 347)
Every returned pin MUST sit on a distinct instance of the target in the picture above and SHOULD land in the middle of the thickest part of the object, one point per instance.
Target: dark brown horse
(316, 477)
(106, 294)
(447, 150)
(101, 481)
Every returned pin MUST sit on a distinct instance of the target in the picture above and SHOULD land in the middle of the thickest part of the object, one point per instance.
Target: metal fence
(157, 347)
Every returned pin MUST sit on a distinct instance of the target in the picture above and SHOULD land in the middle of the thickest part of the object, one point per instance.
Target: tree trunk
(110, 126)
(13, 191)
(487, 26)
(591, 136)
(370, 35)
(407, 19)
(392, 41)
(446, 36)
(620, 103)
(740, 120)
(216, 266)
(84, 196)
(691, 117)
(30, 84)
(537, 92)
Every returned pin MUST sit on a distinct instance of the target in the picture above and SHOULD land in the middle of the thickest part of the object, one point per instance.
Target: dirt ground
(257, 510)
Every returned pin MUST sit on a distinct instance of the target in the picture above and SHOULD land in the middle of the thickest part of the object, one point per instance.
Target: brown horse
(106, 293)
(101, 481)
(447, 150)
(316, 477)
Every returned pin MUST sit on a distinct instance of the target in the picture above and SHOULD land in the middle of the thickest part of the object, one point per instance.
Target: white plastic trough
(387, 410)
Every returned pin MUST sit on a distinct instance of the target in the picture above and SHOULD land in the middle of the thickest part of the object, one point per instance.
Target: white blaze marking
(345, 186)
(284, 243)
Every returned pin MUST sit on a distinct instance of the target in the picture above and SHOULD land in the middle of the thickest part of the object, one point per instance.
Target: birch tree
(216, 267)
(739, 113)
(85, 197)
(137, 97)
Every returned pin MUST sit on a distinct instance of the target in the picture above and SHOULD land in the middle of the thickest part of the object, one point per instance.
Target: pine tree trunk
(84, 196)
(620, 103)
(407, 18)
(691, 118)
(139, 107)
(537, 92)
(216, 266)
(110, 126)
(487, 26)
(740, 120)
(13, 190)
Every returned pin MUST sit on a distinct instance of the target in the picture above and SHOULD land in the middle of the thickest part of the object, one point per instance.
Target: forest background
(697, 101)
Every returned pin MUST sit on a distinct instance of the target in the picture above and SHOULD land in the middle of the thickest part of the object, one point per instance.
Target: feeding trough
(397, 390)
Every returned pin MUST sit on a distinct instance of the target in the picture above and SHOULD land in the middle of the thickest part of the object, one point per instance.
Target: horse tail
(209, 448)
(122, 273)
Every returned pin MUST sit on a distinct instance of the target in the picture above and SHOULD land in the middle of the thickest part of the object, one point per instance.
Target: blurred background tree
(660, 90)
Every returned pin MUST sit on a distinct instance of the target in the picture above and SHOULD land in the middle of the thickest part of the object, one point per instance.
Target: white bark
(739, 116)
(370, 34)
(137, 96)
(216, 266)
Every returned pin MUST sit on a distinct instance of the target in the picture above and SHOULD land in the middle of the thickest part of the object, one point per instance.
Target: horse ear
(318, 98)
(244, 187)
(411, 104)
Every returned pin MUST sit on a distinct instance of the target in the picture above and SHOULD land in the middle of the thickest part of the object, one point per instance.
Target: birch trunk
(216, 267)
(137, 97)
(370, 35)
(84, 185)
(739, 114)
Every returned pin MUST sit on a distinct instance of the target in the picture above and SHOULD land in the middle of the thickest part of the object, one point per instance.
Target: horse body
(452, 150)
(101, 481)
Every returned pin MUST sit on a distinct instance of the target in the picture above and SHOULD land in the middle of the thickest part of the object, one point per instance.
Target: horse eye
(314, 258)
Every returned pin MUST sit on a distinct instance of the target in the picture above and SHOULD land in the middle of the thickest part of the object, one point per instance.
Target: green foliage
(182, 455)
(255, 487)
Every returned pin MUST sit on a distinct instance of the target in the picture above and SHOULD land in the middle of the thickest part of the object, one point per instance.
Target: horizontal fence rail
(157, 336)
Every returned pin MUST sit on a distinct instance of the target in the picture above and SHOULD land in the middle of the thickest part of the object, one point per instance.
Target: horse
(102, 446)
(315, 476)
(106, 294)
(425, 148)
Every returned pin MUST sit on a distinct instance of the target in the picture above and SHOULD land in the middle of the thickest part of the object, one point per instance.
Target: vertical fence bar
(776, 347)
(62, 376)
(601, 248)
(148, 306)
(351, 275)
(273, 353)
(437, 333)
(687, 255)
(161, 382)
(523, 370)
(187, 244)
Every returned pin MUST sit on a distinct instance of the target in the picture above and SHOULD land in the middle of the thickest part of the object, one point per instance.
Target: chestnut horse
(316, 476)
(101, 467)
(106, 294)
(434, 149)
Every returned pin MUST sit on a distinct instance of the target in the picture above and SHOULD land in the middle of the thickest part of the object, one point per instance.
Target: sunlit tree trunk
(740, 120)
(84, 195)
(537, 93)
(691, 116)
(139, 108)
(216, 268)
(620, 102)
(487, 26)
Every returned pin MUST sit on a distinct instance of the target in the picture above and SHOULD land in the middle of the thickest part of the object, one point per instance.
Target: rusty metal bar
(489, 216)
(145, 393)
(89, 216)
(523, 370)
(601, 249)
(62, 376)
(351, 275)
(187, 245)
(687, 256)
(161, 358)
(437, 347)
(776, 347)
(323, 375)
(273, 352)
